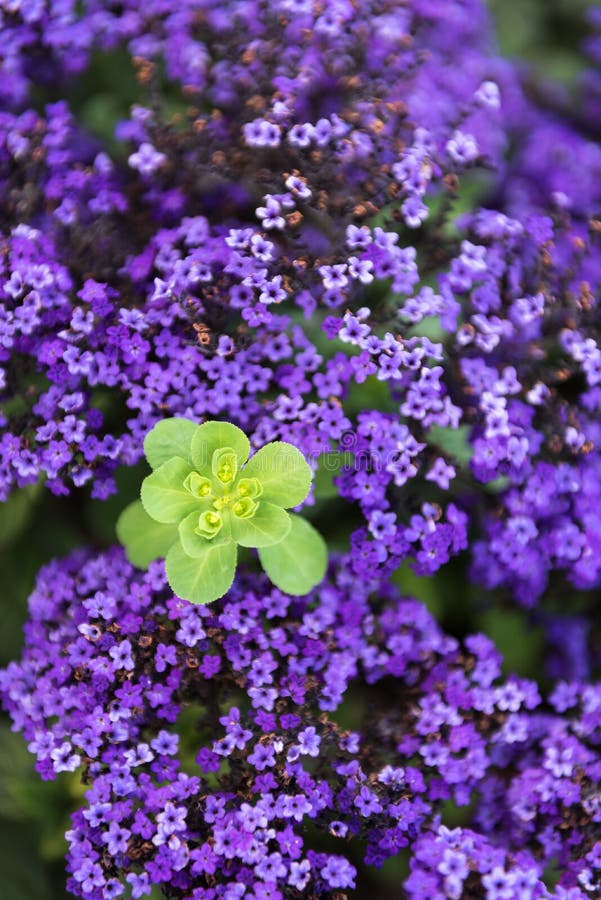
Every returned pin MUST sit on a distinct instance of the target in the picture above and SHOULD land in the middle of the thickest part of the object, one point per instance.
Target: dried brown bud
(451, 182)
(256, 102)
(192, 661)
(294, 218)
(397, 107)
(555, 443)
(145, 69)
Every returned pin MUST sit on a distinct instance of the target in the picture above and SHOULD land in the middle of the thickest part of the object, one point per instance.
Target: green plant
(205, 497)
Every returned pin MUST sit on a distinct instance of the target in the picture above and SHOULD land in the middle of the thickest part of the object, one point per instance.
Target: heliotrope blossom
(195, 314)
(380, 247)
(113, 659)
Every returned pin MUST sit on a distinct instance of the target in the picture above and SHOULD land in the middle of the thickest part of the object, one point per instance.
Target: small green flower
(205, 497)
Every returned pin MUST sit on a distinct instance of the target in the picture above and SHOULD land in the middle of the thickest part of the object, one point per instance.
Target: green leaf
(16, 512)
(205, 578)
(195, 544)
(23, 796)
(299, 562)
(454, 441)
(269, 525)
(169, 438)
(214, 436)
(329, 467)
(23, 873)
(144, 539)
(283, 472)
(520, 642)
(163, 493)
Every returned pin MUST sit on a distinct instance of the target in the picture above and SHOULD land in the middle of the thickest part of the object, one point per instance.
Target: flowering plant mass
(300, 453)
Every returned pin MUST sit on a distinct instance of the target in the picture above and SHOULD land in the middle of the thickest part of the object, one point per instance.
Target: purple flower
(462, 148)
(262, 757)
(270, 214)
(63, 759)
(122, 655)
(260, 133)
(116, 839)
(338, 873)
(146, 159)
(309, 741)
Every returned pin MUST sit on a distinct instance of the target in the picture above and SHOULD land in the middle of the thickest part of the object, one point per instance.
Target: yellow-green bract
(205, 497)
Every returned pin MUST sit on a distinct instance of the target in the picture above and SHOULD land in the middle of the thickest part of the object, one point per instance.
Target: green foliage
(144, 538)
(16, 513)
(213, 437)
(298, 562)
(329, 467)
(282, 472)
(23, 876)
(204, 578)
(269, 525)
(164, 496)
(169, 438)
(549, 36)
(454, 441)
(520, 642)
(204, 498)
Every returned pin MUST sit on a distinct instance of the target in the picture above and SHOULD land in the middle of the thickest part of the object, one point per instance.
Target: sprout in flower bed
(204, 498)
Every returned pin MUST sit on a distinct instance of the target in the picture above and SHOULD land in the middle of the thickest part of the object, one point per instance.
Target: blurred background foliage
(35, 527)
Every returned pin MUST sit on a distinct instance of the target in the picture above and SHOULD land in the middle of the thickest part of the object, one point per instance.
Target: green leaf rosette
(204, 497)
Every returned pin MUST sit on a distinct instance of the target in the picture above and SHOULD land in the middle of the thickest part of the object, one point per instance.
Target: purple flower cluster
(193, 280)
(135, 293)
(114, 663)
(290, 242)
